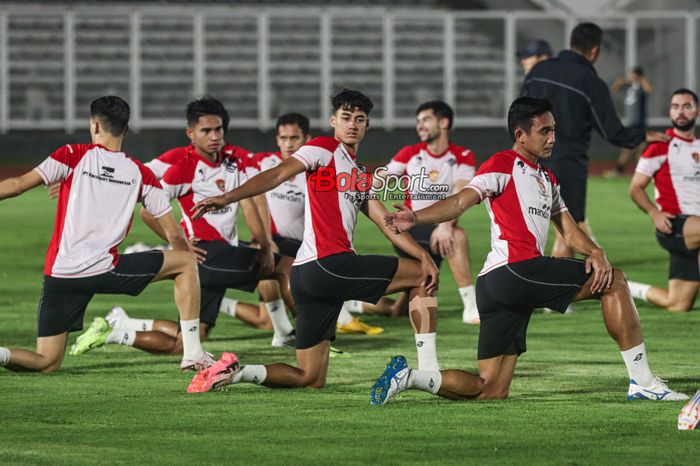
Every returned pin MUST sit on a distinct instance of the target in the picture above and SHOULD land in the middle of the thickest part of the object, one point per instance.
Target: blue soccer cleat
(391, 382)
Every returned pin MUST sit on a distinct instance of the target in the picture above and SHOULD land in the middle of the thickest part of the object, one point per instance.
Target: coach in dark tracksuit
(581, 101)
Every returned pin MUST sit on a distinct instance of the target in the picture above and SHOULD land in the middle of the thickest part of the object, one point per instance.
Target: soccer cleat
(470, 315)
(389, 384)
(204, 361)
(116, 317)
(340, 354)
(689, 416)
(94, 337)
(216, 376)
(289, 341)
(137, 247)
(658, 391)
(357, 326)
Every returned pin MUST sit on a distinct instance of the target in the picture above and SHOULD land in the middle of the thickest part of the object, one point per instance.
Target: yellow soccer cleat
(357, 326)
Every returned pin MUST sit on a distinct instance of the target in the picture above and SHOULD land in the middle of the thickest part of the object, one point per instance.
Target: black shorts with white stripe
(507, 295)
(683, 262)
(321, 286)
(64, 300)
(422, 234)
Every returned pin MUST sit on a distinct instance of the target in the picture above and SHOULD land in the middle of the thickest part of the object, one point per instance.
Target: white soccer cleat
(116, 317)
(139, 246)
(288, 341)
(470, 315)
(658, 391)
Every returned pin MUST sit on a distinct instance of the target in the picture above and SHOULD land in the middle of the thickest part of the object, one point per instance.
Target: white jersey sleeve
(316, 153)
(59, 165)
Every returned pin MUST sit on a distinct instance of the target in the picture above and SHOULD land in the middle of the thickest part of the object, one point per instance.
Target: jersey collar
(192, 150)
(673, 134)
(436, 156)
(527, 162)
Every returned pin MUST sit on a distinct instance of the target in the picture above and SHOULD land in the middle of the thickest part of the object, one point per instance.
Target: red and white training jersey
(520, 197)
(194, 178)
(675, 167)
(99, 189)
(456, 163)
(330, 213)
(286, 201)
(167, 159)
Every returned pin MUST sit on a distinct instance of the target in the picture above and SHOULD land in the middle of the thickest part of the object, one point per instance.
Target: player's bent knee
(680, 306)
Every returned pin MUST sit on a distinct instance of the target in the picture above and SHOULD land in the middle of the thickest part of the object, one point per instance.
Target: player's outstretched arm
(13, 187)
(579, 241)
(258, 184)
(376, 212)
(442, 211)
(257, 229)
(639, 196)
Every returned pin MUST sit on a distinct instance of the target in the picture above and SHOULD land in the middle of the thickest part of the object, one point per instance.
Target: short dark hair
(113, 113)
(206, 105)
(348, 99)
(585, 36)
(638, 70)
(302, 121)
(523, 110)
(440, 109)
(685, 91)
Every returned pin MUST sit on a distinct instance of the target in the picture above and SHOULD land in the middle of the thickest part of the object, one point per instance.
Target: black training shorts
(225, 267)
(421, 234)
(287, 246)
(683, 262)
(321, 286)
(64, 300)
(507, 295)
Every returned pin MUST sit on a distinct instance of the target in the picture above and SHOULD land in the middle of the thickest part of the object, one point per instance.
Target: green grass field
(568, 400)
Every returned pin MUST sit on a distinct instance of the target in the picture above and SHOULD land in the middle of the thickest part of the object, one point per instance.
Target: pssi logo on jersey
(107, 172)
(326, 179)
(221, 184)
(696, 157)
(433, 175)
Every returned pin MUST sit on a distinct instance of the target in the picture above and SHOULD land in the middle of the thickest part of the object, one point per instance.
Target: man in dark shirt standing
(581, 101)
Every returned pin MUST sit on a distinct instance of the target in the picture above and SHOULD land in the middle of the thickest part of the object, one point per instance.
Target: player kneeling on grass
(206, 169)
(327, 271)
(674, 167)
(522, 197)
(100, 186)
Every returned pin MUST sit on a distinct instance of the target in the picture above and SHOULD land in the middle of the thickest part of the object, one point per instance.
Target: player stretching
(447, 165)
(286, 212)
(205, 170)
(327, 271)
(674, 166)
(100, 186)
(522, 197)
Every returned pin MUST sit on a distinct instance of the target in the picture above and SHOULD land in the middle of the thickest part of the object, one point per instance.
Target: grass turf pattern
(567, 406)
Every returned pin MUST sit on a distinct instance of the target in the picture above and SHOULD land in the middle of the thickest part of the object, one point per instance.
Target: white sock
(228, 306)
(251, 374)
(279, 318)
(354, 306)
(136, 325)
(427, 381)
(638, 365)
(344, 317)
(639, 290)
(427, 352)
(191, 346)
(468, 294)
(122, 337)
(4, 356)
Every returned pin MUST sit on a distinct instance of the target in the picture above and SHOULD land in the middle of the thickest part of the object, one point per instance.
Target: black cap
(535, 47)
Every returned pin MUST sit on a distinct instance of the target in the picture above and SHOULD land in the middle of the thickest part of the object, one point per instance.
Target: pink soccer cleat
(204, 361)
(217, 375)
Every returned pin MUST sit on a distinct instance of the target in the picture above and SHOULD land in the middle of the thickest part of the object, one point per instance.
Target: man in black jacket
(581, 101)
